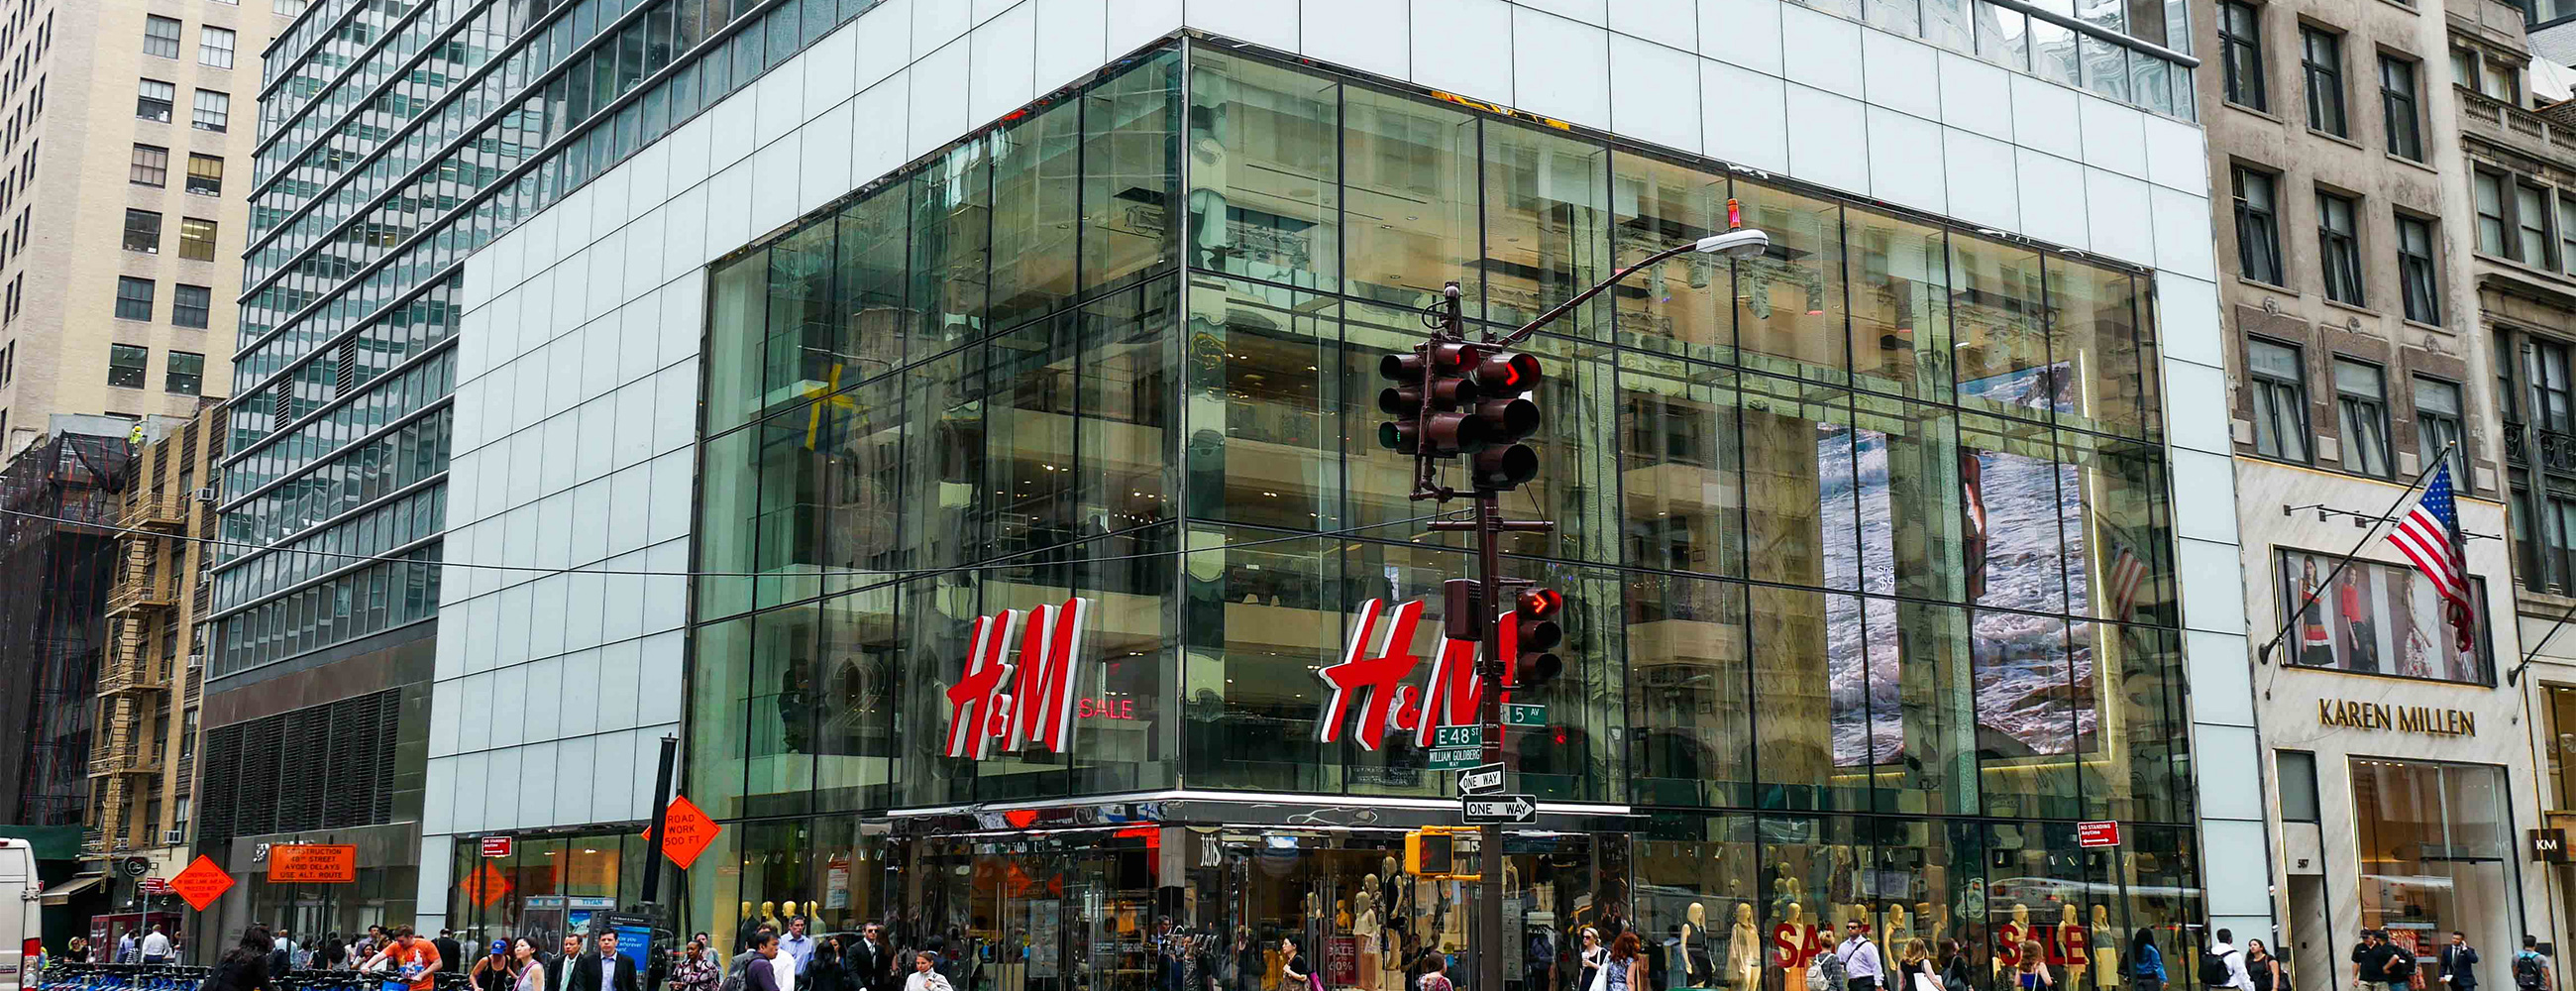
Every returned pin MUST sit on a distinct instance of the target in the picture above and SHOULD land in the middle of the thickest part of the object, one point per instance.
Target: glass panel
(1131, 169)
(1681, 470)
(1265, 193)
(1689, 672)
(1900, 325)
(951, 238)
(1036, 182)
(1411, 200)
(1998, 332)
(1269, 452)
(1789, 301)
(1546, 226)
(1679, 305)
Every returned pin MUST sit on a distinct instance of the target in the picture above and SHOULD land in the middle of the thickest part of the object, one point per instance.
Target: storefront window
(2436, 850)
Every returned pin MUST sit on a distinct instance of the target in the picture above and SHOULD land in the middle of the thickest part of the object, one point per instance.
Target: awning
(61, 894)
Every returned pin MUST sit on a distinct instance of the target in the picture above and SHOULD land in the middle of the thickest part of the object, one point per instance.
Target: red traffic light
(1501, 469)
(1508, 373)
(1534, 636)
(1539, 603)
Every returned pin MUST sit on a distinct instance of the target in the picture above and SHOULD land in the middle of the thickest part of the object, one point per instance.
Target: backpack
(2528, 972)
(733, 978)
(2213, 969)
(1827, 972)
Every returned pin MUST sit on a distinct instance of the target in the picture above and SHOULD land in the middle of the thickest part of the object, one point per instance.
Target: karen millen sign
(2400, 718)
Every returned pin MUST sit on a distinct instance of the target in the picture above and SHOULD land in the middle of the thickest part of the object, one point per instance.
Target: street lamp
(1738, 241)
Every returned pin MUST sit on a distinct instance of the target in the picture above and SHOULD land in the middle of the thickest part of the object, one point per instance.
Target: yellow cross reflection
(830, 394)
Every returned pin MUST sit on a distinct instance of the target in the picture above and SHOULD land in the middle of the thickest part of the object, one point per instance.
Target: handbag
(1600, 978)
(1924, 981)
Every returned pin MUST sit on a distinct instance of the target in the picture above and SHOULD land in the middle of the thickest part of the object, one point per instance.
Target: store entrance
(1032, 915)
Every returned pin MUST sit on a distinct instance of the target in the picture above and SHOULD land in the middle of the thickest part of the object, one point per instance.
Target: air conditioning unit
(173, 837)
(196, 661)
(206, 494)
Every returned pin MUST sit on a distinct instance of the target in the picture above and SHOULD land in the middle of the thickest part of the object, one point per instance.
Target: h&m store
(1865, 542)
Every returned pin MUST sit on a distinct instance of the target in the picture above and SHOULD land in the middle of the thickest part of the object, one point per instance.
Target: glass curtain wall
(1865, 538)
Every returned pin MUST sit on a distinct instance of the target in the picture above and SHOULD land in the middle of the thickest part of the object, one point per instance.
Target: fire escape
(133, 686)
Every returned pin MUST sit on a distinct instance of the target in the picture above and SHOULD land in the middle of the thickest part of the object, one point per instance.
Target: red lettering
(1372, 683)
(977, 697)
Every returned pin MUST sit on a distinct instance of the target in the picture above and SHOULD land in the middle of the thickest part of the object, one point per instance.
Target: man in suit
(450, 953)
(605, 969)
(870, 961)
(2459, 963)
(559, 971)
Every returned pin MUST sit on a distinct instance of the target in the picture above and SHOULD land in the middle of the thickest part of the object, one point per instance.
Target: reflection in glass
(1130, 168)
(1680, 467)
(1680, 304)
(1688, 657)
(1265, 179)
(1411, 200)
(1789, 301)
(1900, 306)
(1546, 228)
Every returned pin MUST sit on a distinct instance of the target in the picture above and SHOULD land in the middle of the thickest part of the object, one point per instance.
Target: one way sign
(1499, 808)
(1481, 780)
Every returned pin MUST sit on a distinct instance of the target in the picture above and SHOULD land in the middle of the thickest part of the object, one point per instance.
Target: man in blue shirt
(796, 946)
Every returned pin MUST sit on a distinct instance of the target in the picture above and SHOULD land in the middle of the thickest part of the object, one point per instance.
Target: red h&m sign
(1020, 704)
(1373, 680)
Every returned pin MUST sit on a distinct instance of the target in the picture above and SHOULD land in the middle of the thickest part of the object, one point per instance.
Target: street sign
(1443, 737)
(201, 883)
(312, 863)
(1482, 780)
(1499, 808)
(156, 885)
(486, 885)
(1524, 715)
(690, 832)
(2092, 834)
(1456, 757)
(496, 846)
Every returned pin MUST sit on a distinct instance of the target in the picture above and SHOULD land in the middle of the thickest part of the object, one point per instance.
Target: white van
(21, 933)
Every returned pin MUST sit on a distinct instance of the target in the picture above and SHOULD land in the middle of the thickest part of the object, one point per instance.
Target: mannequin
(787, 910)
(1364, 925)
(2071, 945)
(1784, 889)
(1898, 929)
(769, 916)
(1793, 940)
(1743, 951)
(1929, 923)
(1695, 966)
(2008, 939)
(2106, 952)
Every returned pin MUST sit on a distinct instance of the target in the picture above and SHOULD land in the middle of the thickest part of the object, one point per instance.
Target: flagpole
(2264, 655)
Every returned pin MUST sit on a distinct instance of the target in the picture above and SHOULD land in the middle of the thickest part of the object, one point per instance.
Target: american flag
(2430, 537)
(2126, 574)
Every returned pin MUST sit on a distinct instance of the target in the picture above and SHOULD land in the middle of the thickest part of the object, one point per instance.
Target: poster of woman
(2372, 618)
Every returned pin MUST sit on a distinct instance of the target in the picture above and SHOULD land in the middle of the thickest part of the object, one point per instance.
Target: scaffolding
(58, 556)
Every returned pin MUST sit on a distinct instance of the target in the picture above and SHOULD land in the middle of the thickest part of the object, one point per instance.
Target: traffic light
(1430, 853)
(1505, 416)
(1441, 370)
(1462, 609)
(1535, 635)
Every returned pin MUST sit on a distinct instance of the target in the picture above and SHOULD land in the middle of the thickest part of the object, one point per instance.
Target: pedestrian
(77, 951)
(760, 973)
(1595, 957)
(527, 965)
(1625, 969)
(2262, 968)
(494, 972)
(925, 974)
(2223, 966)
(413, 959)
(871, 960)
(1955, 975)
(1295, 974)
(156, 947)
(1435, 976)
(798, 948)
(2531, 970)
(125, 948)
(2146, 963)
(826, 971)
(2459, 963)
(1914, 968)
(559, 970)
(2380, 960)
(1862, 968)
(605, 969)
(2034, 975)
(697, 970)
(331, 953)
(246, 967)
(451, 954)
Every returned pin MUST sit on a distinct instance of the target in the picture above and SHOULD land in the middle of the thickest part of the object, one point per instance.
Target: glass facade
(1865, 540)
(2437, 851)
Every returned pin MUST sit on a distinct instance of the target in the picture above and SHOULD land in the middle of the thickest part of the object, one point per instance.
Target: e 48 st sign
(1024, 702)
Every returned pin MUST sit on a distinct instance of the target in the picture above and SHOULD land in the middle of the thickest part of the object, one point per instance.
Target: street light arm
(1738, 242)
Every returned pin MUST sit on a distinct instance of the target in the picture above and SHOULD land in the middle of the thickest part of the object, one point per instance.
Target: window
(2397, 107)
(2489, 190)
(2361, 409)
(2339, 248)
(143, 231)
(133, 298)
(125, 365)
(161, 36)
(2437, 844)
(2280, 400)
(214, 46)
(2464, 68)
(190, 304)
(2297, 772)
(2321, 61)
(2567, 230)
(2415, 271)
(186, 374)
(205, 175)
(152, 100)
(2531, 225)
(151, 166)
(2258, 234)
(2240, 49)
(196, 239)
(2499, 81)
(2546, 370)
(2437, 426)
(214, 110)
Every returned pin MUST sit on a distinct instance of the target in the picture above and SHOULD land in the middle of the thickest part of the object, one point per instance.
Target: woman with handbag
(1914, 968)
(1955, 973)
(2034, 968)
(1294, 973)
(1596, 958)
